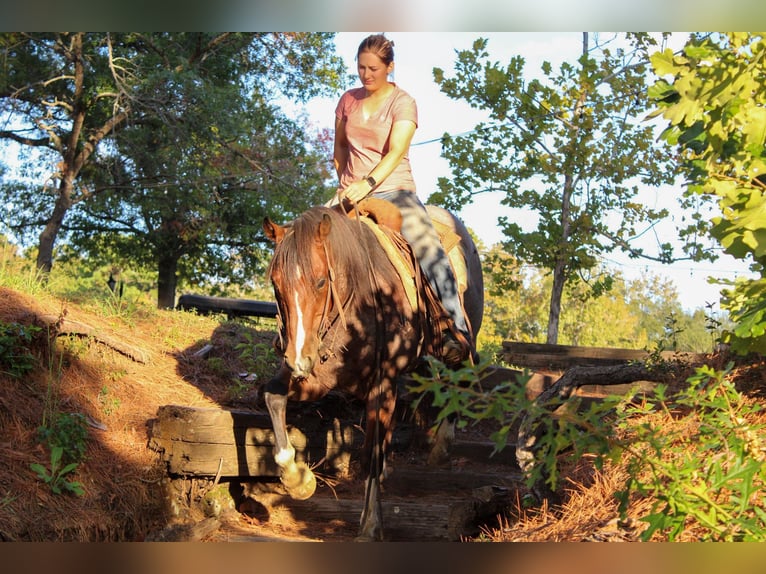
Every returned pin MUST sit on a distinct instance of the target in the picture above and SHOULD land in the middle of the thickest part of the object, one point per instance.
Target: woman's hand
(355, 192)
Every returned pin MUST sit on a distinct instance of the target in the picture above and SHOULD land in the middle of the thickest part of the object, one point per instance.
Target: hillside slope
(82, 366)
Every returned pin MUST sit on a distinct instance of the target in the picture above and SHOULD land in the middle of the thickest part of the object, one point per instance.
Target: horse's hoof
(300, 484)
(376, 536)
(438, 457)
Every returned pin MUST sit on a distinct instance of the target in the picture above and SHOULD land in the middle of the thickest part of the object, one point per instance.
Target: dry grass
(590, 510)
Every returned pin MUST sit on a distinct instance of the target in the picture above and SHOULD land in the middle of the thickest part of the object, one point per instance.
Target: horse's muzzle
(302, 367)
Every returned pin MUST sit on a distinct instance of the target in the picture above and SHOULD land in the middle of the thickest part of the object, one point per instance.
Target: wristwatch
(371, 181)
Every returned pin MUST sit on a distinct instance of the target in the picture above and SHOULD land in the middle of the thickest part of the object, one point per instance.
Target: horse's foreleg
(297, 477)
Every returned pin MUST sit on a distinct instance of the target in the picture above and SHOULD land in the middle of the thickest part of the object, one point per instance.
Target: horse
(345, 322)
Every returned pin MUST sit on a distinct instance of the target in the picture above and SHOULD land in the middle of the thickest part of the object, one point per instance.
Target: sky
(417, 53)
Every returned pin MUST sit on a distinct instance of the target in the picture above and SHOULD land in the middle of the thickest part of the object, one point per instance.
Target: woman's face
(373, 72)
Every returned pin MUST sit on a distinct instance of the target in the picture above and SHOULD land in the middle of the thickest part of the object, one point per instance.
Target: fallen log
(60, 326)
(541, 356)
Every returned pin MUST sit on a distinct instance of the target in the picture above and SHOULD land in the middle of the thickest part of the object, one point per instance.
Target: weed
(15, 355)
(56, 476)
(108, 404)
(257, 357)
(68, 432)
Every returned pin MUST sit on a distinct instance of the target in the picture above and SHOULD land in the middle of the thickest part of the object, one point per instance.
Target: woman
(374, 126)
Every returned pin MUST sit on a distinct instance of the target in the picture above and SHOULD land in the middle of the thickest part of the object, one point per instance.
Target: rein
(332, 295)
(377, 454)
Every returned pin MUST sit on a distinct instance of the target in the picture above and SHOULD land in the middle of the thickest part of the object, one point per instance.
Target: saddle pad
(403, 267)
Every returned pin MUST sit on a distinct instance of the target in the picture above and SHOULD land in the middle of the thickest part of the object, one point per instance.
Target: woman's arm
(340, 147)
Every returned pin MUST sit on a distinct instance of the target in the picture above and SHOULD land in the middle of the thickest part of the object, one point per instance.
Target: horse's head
(300, 273)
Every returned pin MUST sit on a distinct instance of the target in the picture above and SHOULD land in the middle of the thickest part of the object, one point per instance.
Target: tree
(60, 93)
(205, 154)
(713, 96)
(571, 148)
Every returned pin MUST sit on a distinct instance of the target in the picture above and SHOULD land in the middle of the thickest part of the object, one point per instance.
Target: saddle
(385, 221)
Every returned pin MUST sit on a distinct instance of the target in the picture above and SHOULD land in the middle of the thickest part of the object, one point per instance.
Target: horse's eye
(321, 283)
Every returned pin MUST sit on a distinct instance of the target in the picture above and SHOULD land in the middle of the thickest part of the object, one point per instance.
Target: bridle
(326, 323)
(332, 299)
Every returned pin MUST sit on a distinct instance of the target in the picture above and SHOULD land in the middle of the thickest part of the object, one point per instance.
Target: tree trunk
(560, 267)
(166, 280)
(53, 225)
(554, 310)
(564, 254)
(76, 149)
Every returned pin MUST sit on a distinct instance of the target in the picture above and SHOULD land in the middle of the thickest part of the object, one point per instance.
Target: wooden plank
(407, 519)
(205, 442)
(562, 357)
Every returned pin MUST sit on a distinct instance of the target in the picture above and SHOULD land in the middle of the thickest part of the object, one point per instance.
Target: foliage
(257, 356)
(507, 404)
(69, 432)
(16, 358)
(56, 477)
(171, 146)
(713, 484)
(65, 434)
(708, 477)
(713, 96)
(569, 150)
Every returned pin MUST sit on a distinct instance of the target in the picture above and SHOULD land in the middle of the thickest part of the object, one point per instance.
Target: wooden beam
(210, 442)
(562, 357)
(205, 305)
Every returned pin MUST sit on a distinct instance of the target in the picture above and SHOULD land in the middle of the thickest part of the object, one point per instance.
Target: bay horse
(345, 322)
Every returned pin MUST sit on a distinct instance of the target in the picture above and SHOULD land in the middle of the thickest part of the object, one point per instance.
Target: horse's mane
(353, 249)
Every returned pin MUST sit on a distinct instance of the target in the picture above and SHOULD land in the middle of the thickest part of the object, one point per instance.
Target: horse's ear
(324, 227)
(272, 230)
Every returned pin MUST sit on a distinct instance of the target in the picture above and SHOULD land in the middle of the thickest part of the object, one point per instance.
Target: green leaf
(41, 471)
(664, 63)
(754, 126)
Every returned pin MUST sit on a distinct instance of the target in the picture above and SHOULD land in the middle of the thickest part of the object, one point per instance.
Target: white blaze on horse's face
(300, 333)
(302, 352)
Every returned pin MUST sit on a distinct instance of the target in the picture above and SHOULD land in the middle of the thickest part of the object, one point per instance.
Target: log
(205, 305)
(231, 443)
(63, 327)
(421, 519)
(562, 357)
(209, 442)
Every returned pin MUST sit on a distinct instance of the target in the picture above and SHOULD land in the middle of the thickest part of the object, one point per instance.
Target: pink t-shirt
(368, 139)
